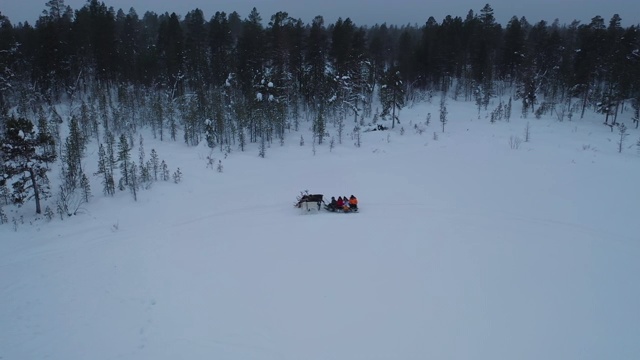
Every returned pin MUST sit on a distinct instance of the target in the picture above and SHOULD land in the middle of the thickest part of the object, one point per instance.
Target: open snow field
(463, 249)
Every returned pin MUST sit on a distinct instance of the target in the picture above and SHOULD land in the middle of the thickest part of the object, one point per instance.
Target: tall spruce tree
(74, 148)
(392, 95)
(315, 91)
(155, 164)
(220, 48)
(106, 173)
(124, 157)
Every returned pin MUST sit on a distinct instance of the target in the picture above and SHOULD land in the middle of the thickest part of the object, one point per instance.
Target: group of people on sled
(343, 204)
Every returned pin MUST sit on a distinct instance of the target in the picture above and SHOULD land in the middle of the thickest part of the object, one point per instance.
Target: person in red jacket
(339, 203)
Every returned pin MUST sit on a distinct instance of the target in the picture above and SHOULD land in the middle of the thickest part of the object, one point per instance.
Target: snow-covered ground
(464, 248)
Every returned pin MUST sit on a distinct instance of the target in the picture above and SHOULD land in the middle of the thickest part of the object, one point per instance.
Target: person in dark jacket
(333, 204)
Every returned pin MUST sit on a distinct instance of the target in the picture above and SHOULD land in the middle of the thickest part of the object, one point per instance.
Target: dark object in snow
(345, 206)
(378, 127)
(306, 199)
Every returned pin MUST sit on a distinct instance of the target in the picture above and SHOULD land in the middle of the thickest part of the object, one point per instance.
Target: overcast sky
(361, 12)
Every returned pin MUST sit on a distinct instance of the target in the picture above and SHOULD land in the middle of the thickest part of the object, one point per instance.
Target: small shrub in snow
(210, 160)
(164, 174)
(3, 217)
(497, 113)
(48, 213)
(514, 142)
(69, 201)
(177, 176)
(219, 168)
(622, 131)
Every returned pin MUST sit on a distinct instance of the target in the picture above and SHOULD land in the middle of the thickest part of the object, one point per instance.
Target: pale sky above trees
(362, 12)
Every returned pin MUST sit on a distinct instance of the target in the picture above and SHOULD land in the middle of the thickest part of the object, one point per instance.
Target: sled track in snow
(247, 209)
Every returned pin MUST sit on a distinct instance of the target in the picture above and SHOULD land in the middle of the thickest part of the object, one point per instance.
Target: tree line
(231, 81)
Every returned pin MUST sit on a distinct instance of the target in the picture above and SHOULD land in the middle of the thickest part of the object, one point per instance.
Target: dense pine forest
(232, 81)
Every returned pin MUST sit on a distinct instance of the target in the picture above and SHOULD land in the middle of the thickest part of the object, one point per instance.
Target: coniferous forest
(233, 81)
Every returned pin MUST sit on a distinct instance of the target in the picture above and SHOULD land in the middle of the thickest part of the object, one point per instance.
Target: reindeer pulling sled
(308, 202)
(313, 202)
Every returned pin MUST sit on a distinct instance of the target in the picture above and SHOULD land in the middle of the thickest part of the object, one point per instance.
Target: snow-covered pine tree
(25, 162)
(145, 176)
(154, 163)
(443, 110)
(209, 133)
(110, 144)
(44, 133)
(108, 184)
(84, 120)
(141, 153)
(86, 187)
(392, 95)
(319, 125)
(74, 148)
(134, 185)
(622, 132)
(124, 157)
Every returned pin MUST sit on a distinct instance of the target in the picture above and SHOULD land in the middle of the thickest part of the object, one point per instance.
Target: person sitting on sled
(339, 203)
(345, 204)
(353, 203)
(333, 204)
